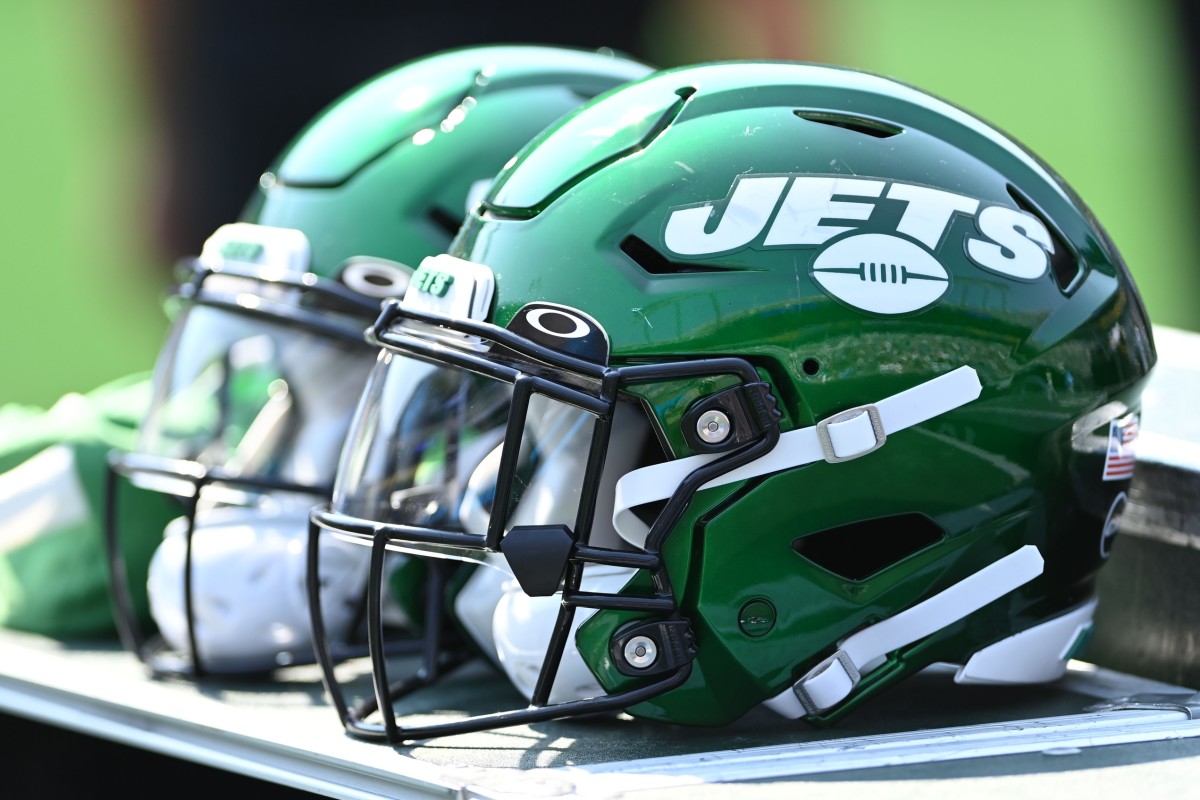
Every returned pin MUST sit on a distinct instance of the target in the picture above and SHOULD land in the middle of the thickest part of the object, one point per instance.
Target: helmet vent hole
(445, 221)
(656, 263)
(859, 550)
(811, 366)
(864, 125)
(1064, 263)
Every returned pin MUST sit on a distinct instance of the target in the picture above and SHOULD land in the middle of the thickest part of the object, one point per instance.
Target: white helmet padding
(248, 587)
(509, 625)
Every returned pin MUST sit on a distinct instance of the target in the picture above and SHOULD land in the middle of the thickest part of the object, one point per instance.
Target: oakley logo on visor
(567, 330)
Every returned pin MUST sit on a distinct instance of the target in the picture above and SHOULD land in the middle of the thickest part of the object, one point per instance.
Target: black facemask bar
(351, 311)
(591, 387)
(188, 479)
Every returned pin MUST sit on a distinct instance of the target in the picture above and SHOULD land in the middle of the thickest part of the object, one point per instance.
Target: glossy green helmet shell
(388, 169)
(852, 238)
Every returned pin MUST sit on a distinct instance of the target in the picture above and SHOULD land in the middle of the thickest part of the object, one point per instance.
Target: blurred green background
(80, 301)
(1102, 89)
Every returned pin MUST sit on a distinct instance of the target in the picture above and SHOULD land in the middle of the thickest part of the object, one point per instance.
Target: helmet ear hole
(375, 277)
(859, 550)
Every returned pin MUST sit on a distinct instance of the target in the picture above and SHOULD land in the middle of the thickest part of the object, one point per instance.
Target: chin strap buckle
(827, 683)
(851, 433)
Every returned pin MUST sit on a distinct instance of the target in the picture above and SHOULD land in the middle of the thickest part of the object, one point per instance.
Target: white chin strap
(832, 681)
(842, 437)
(845, 436)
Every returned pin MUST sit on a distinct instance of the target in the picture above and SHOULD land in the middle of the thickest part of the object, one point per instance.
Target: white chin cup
(248, 587)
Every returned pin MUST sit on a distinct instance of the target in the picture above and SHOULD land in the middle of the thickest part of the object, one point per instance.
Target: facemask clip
(730, 418)
(642, 649)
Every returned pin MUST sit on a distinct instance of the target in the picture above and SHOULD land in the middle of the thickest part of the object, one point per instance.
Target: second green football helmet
(263, 365)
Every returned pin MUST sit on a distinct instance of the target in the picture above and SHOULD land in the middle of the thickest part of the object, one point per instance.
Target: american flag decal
(1119, 460)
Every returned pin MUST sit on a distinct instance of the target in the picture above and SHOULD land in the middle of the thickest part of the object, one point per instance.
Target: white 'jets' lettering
(811, 200)
(929, 211)
(1016, 243)
(748, 209)
(1022, 235)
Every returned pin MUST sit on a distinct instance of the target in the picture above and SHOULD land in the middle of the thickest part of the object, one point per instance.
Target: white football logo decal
(880, 273)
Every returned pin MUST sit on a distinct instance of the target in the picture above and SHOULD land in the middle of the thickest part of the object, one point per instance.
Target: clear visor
(250, 397)
(426, 448)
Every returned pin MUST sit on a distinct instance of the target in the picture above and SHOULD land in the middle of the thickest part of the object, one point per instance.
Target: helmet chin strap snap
(845, 436)
(832, 680)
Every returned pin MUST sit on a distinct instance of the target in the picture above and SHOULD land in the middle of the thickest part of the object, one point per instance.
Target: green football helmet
(771, 384)
(261, 371)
